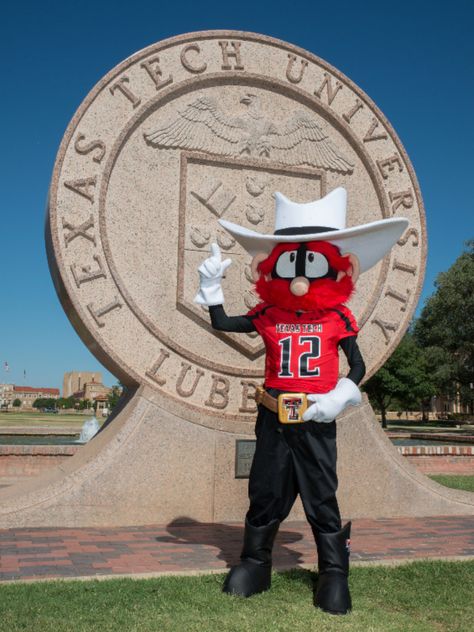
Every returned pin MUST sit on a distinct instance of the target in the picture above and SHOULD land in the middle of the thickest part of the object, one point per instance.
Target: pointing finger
(216, 252)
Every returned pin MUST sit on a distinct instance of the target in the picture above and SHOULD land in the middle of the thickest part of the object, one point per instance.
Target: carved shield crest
(240, 190)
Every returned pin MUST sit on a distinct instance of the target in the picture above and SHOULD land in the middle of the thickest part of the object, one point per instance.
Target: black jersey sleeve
(222, 322)
(354, 357)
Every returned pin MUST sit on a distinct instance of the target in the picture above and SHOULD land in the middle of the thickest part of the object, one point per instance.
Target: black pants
(290, 460)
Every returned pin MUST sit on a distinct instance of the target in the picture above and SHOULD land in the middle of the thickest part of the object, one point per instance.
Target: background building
(91, 391)
(75, 381)
(26, 394)
(6, 391)
(87, 386)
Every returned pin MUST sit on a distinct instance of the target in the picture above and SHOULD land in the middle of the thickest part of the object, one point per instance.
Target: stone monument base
(150, 465)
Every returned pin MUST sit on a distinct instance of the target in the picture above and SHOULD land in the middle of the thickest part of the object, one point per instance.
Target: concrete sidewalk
(184, 548)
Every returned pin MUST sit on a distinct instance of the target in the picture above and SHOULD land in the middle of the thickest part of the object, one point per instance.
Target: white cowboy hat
(322, 220)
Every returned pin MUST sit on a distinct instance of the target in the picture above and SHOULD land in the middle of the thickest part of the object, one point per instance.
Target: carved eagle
(202, 126)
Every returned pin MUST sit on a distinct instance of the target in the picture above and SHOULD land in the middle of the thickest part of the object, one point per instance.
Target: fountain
(89, 429)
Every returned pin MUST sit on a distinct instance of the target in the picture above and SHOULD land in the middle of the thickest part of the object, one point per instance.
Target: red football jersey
(301, 347)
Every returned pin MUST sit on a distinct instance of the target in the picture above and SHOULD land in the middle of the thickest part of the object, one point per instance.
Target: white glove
(327, 406)
(211, 272)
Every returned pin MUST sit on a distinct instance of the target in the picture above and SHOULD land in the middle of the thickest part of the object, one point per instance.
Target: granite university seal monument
(197, 128)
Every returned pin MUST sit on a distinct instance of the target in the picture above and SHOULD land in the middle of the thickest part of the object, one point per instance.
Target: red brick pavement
(39, 553)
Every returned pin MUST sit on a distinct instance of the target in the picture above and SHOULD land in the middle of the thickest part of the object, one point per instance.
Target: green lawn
(418, 597)
(456, 482)
(45, 420)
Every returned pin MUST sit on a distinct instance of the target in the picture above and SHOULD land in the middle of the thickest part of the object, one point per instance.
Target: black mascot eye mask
(303, 262)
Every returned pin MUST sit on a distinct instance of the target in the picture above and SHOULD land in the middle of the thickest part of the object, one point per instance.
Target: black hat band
(304, 230)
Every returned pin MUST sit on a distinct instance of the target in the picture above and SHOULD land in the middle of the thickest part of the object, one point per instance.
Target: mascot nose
(299, 286)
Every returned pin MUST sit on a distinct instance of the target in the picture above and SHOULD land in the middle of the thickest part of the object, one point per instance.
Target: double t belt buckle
(291, 407)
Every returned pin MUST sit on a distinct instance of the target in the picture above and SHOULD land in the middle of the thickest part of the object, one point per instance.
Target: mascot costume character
(304, 274)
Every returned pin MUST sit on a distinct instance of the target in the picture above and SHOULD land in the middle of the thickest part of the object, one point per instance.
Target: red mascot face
(307, 276)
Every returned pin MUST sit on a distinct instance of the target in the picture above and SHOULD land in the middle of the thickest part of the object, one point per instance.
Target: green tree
(16, 403)
(404, 381)
(84, 404)
(45, 402)
(445, 329)
(114, 395)
(65, 402)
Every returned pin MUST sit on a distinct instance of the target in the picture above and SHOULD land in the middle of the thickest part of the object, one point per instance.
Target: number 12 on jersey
(298, 356)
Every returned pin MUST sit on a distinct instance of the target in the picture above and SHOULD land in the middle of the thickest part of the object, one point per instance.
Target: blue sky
(414, 59)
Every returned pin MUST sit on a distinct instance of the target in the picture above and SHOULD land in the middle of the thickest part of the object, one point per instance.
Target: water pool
(39, 439)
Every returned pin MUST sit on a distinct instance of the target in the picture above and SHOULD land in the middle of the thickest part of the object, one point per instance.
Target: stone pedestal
(152, 466)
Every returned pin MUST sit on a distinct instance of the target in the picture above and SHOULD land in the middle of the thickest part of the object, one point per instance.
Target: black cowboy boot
(332, 592)
(254, 573)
